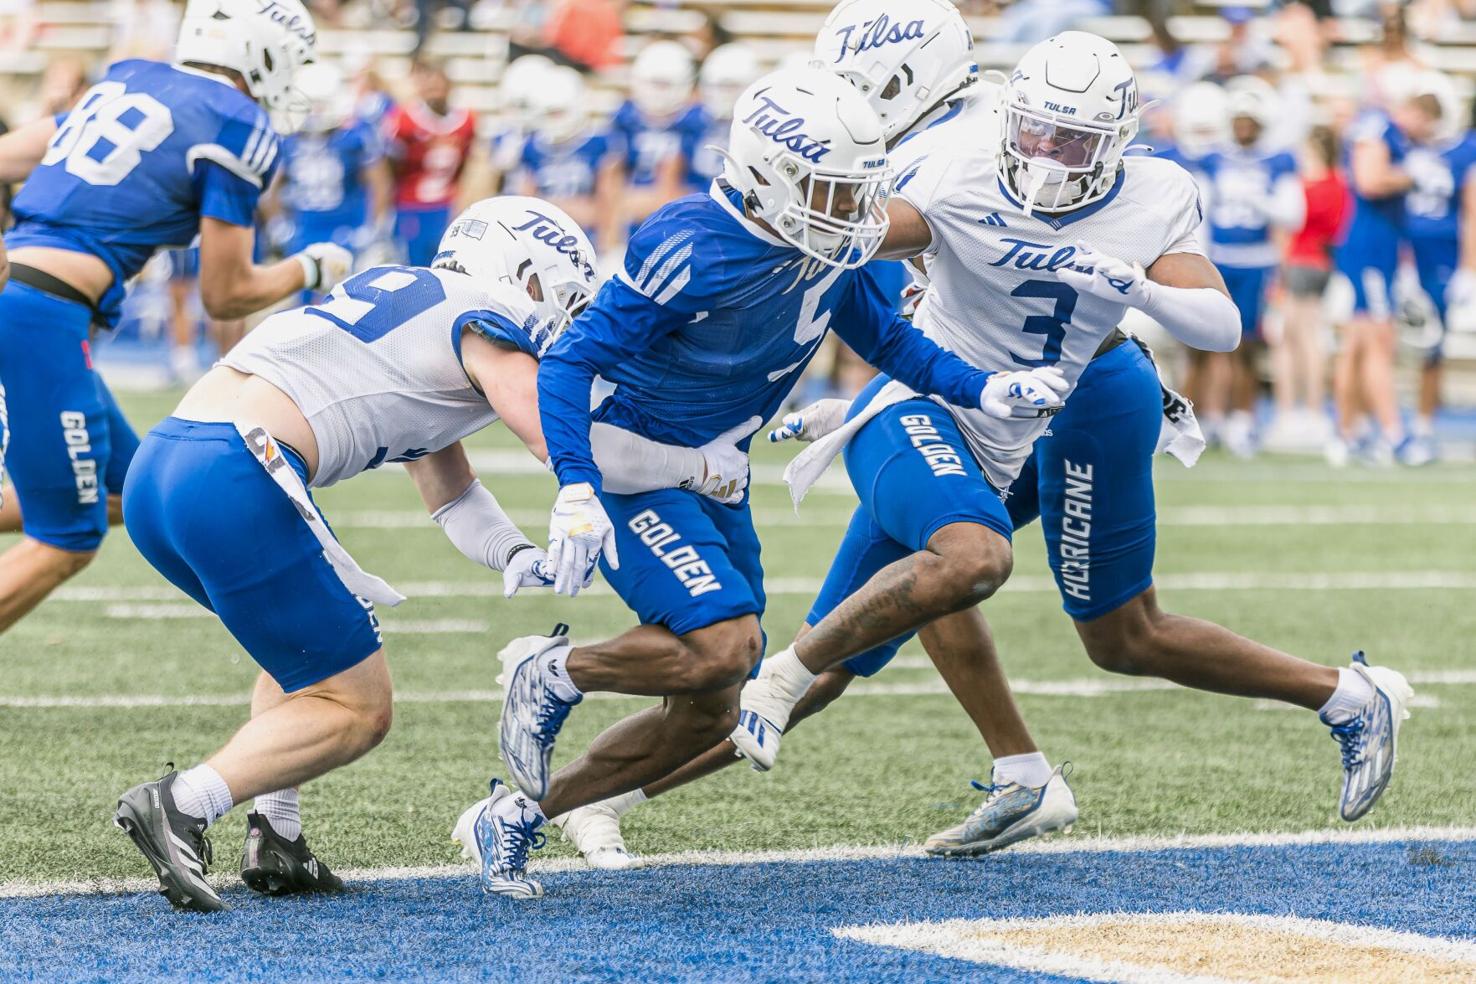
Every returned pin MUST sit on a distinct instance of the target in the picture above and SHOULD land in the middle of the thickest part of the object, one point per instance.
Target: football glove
(726, 465)
(1036, 392)
(324, 265)
(812, 422)
(578, 533)
(1109, 278)
(529, 568)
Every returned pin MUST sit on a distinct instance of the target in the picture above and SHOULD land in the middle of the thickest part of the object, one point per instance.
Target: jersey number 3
(103, 139)
(1053, 325)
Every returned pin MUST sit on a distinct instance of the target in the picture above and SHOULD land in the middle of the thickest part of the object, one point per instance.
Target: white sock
(1424, 426)
(201, 792)
(1352, 693)
(787, 675)
(282, 811)
(1031, 769)
(522, 807)
(626, 802)
(552, 663)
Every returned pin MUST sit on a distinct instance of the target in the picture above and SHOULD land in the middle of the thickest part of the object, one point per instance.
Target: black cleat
(172, 841)
(273, 865)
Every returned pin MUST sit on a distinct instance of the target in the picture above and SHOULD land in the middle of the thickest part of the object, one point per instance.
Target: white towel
(355, 578)
(805, 468)
(1180, 435)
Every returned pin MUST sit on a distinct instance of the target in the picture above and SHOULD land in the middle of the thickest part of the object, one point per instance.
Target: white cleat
(505, 832)
(1009, 814)
(533, 709)
(763, 716)
(1370, 740)
(594, 830)
(465, 831)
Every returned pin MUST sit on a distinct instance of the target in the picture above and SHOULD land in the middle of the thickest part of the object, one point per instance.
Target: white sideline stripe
(1084, 687)
(969, 939)
(1060, 845)
(809, 586)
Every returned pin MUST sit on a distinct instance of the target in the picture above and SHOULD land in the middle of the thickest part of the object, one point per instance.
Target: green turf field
(1300, 557)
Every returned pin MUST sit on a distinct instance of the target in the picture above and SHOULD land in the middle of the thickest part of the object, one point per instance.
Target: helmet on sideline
(907, 59)
(661, 78)
(532, 244)
(265, 41)
(807, 154)
(726, 72)
(1070, 110)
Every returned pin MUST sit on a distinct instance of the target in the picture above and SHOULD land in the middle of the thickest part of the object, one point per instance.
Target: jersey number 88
(106, 135)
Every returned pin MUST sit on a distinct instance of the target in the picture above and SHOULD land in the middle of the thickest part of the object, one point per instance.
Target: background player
(660, 126)
(311, 397)
(151, 156)
(429, 141)
(726, 72)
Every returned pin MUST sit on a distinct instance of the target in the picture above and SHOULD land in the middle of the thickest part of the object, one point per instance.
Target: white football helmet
(520, 82)
(1071, 109)
(1253, 98)
(531, 243)
(661, 78)
(1453, 115)
(558, 104)
(266, 41)
(1201, 118)
(807, 153)
(726, 72)
(906, 57)
(329, 101)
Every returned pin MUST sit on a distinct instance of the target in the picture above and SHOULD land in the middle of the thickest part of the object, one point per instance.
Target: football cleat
(273, 865)
(465, 831)
(504, 837)
(1009, 814)
(172, 841)
(1369, 739)
(533, 710)
(594, 830)
(757, 739)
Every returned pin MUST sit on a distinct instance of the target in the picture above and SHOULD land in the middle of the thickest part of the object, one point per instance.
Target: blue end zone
(710, 922)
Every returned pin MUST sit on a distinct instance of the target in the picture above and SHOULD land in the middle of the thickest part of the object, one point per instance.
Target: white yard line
(1059, 845)
(1080, 687)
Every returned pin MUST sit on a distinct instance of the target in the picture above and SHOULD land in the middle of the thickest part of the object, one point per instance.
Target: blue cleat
(1369, 739)
(505, 833)
(1009, 814)
(535, 703)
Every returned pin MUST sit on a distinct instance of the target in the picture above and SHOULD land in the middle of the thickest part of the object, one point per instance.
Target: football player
(429, 142)
(1089, 481)
(660, 126)
(398, 364)
(725, 73)
(722, 301)
(152, 155)
(569, 162)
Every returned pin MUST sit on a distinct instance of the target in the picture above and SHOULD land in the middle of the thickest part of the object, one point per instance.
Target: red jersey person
(429, 146)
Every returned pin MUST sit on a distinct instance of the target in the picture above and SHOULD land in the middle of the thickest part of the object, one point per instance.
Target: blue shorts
(686, 561)
(184, 264)
(203, 511)
(914, 474)
(69, 444)
(1371, 272)
(419, 232)
(1247, 286)
(1090, 481)
(1436, 264)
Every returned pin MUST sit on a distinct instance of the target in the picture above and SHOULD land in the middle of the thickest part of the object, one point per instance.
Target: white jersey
(376, 367)
(995, 299)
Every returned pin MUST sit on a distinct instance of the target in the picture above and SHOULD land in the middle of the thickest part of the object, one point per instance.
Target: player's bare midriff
(226, 395)
(83, 271)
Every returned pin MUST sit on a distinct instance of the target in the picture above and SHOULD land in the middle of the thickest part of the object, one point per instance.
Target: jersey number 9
(106, 135)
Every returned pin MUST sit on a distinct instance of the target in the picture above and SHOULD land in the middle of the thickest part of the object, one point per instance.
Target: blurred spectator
(725, 73)
(62, 84)
(710, 35)
(568, 161)
(516, 94)
(429, 145)
(1246, 50)
(1300, 370)
(660, 126)
(372, 100)
(1029, 21)
(586, 33)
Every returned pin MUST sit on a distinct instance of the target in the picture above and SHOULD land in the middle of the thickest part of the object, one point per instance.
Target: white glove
(578, 532)
(812, 422)
(726, 475)
(1036, 392)
(1110, 279)
(529, 568)
(324, 265)
(1460, 293)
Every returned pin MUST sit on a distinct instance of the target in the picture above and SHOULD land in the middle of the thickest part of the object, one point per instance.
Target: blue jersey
(1433, 205)
(568, 169)
(145, 153)
(1377, 222)
(709, 323)
(324, 175)
(1241, 182)
(648, 143)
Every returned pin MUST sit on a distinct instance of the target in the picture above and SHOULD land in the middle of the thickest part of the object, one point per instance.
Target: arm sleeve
(621, 322)
(868, 322)
(1200, 317)
(476, 525)
(630, 463)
